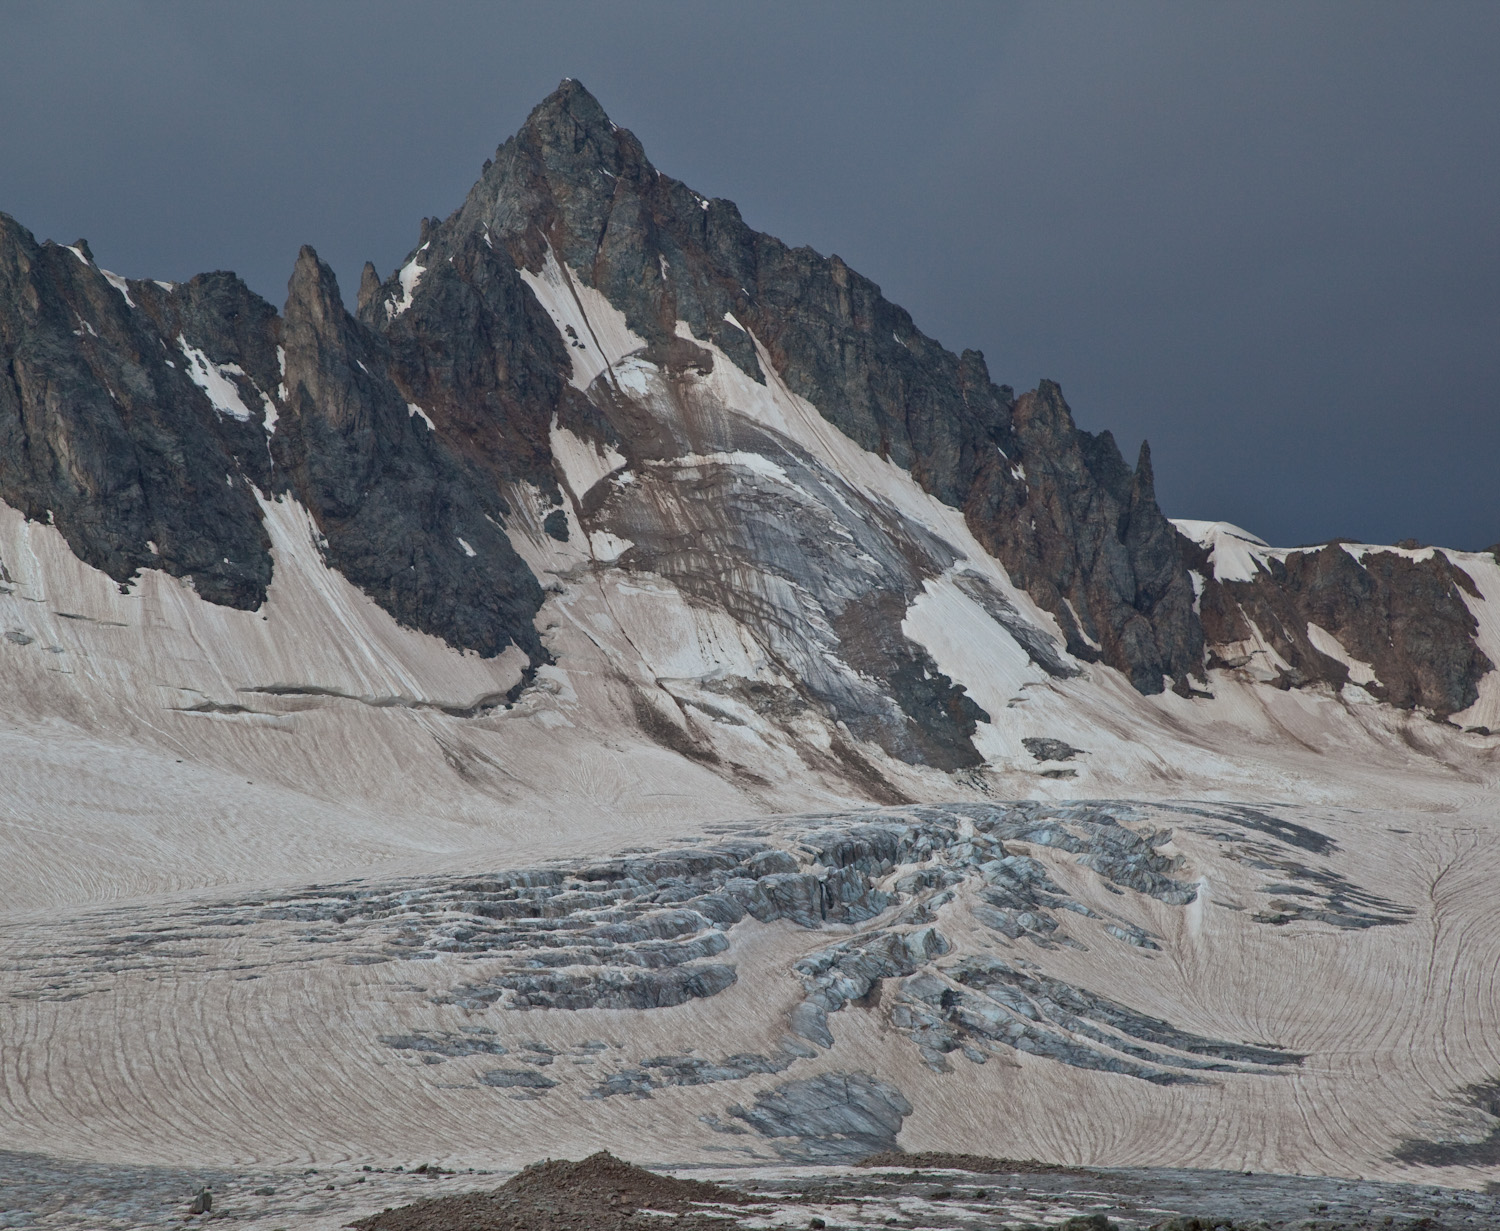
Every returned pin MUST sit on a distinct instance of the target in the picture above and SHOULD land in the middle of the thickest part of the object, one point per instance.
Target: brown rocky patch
(599, 1193)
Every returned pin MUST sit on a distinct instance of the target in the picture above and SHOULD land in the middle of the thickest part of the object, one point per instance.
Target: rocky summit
(625, 687)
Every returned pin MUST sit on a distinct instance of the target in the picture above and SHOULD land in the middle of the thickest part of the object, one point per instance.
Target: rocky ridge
(148, 420)
(576, 305)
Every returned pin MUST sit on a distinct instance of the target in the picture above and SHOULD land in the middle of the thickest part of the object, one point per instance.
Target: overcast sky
(1266, 237)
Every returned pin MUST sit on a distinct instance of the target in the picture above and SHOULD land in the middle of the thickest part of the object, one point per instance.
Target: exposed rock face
(1044, 749)
(402, 519)
(1085, 536)
(478, 354)
(104, 433)
(142, 418)
(1394, 623)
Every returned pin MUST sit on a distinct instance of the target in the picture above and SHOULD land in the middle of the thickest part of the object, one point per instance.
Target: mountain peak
(570, 102)
(573, 137)
(313, 288)
(555, 181)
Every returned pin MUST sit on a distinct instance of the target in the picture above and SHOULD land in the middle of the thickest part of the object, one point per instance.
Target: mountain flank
(150, 421)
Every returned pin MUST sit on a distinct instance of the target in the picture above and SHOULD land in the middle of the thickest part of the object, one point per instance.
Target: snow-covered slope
(157, 743)
(563, 730)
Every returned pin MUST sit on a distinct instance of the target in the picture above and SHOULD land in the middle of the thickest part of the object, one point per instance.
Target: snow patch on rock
(1326, 643)
(1237, 554)
(411, 273)
(213, 379)
(583, 463)
(973, 650)
(120, 285)
(1484, 570)
(593, 320)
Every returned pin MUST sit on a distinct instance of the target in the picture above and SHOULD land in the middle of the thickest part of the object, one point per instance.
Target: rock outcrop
(1406, 619)
(1395, 622)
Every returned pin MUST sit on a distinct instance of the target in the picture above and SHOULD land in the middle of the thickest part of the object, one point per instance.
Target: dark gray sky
(1266, 236)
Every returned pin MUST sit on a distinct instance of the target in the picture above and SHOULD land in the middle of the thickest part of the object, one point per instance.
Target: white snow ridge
(1237, 554)
(411, 273)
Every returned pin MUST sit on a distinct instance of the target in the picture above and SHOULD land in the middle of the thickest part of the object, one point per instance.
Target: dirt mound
(601, 1193)
(978, 1163)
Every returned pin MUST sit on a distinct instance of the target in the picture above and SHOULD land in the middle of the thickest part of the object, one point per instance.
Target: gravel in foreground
(893, 1190)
